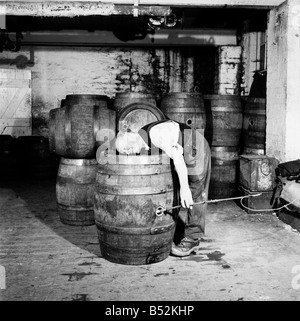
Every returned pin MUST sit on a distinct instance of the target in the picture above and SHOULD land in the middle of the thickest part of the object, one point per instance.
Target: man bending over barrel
(191, 157)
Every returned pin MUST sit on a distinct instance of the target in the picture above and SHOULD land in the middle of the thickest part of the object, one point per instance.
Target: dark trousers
(198, 162)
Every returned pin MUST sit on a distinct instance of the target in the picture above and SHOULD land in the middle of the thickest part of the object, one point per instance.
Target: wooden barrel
(75, 187)
(87, 100)
(124, 99)
(224, 170)
(185, 108)
(34, 158)
(136, 115)
(224, 120)
(52, 123)
(128, 191)
(254, 126)
(7, 156)
(75, 131)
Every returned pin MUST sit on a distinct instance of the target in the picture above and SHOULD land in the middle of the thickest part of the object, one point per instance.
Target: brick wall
(228, 70)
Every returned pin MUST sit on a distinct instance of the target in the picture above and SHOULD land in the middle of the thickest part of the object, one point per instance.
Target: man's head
(130, 143)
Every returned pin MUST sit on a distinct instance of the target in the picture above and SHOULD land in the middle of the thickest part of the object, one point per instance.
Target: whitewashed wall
(252, 58)
(228, 71)
(57, 72)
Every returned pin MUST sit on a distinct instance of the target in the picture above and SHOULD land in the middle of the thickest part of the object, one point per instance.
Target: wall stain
(152, 82)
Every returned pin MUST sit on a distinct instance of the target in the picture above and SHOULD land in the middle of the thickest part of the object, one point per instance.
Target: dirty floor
(245, 257)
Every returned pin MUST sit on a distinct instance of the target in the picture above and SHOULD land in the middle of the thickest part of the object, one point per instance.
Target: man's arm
(180, 166)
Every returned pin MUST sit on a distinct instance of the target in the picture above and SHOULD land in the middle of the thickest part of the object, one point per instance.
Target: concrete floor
(244, 258)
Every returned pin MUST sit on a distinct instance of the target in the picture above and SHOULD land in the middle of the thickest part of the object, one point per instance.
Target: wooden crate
(257, 172)
(258, 204)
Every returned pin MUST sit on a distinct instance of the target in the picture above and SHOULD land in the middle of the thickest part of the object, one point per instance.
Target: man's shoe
(185, 247)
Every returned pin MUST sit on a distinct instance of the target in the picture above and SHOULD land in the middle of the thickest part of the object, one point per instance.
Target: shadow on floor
(40, 198)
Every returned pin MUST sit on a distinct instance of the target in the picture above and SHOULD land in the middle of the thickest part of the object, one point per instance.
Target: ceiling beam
(204, 3)
(68, 8)
(64, 8)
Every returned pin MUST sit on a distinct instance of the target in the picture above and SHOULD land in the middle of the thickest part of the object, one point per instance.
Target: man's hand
(186, 198)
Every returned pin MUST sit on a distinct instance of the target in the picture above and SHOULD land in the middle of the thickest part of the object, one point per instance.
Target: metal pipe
(160, 209)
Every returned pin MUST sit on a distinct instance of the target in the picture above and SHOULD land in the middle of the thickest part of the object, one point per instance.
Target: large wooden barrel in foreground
(224, 170)
(136, 115)
(185, 108)
(75, 130)
(128, 191)
(224, 120)
(75, 186)
(124, 99)
(254, 126)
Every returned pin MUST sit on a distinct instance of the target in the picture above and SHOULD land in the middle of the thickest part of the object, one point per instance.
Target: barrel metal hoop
(254, 113)
(75, 208)
(78, 162)
(117, 190)
(224, 162)
(135, 230)
(72, 180)
(226, 110)
(127, 171)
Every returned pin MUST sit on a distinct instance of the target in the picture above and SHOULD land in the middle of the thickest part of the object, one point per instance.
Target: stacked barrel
(220, 119)
(76, 129)
(254, 123)
(254, 126)
(224, 117)
(185, 108)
